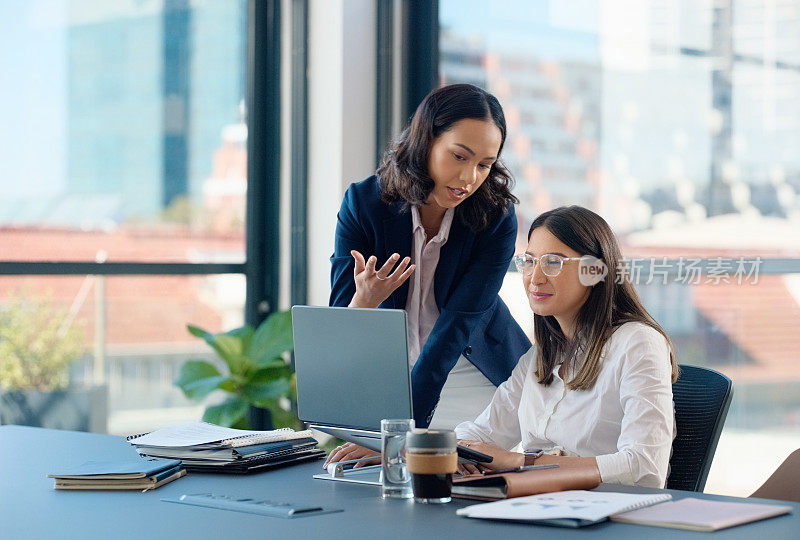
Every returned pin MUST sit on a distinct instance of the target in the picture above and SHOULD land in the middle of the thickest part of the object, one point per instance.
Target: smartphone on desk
(473, 455)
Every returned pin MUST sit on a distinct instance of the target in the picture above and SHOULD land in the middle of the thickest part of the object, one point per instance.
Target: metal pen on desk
(524, 468)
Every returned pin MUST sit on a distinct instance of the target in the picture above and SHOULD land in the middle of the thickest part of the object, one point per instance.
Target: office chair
(784, 484)
(702, 397)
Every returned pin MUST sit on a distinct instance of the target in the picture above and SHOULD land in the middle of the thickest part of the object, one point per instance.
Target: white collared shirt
(467, 391)
(626, 420)
(421, 307)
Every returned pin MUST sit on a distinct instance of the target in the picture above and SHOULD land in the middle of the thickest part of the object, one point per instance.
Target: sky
(549, 29)
(32, 97)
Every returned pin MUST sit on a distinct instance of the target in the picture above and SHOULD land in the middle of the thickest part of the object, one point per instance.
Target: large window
(123, 141)
(124, 125)
(679, 123)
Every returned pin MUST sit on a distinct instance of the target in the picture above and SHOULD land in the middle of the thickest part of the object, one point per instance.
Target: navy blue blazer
(473, 320)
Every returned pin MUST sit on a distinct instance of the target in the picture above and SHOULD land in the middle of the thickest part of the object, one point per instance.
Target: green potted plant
(258, 373)
(38, 344)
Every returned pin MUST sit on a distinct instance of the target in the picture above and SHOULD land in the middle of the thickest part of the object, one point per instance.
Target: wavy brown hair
(611, 303)
(403, 171)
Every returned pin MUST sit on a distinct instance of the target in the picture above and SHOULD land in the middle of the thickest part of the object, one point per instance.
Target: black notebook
(254, 464)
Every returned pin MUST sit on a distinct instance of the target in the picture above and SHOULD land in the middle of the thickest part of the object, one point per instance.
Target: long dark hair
(611, 303)
(403, 171)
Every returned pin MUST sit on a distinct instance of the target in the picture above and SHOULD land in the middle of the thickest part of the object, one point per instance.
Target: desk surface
(31, 508)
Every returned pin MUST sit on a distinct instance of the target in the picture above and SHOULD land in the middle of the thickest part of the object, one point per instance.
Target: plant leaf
(275, 371)
(228, 385)
(245, 334)
(261, 394)
(243, 423)
(272, 338)
(283, 418)
(198, 332)
(232, 349)
(198, 378)
(227, 413)
(208, 337)
(277, 362)
(229, 346)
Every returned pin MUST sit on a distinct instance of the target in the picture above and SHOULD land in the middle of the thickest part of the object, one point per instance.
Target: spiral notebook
(202, 435)
(702, 515)
(575, 508)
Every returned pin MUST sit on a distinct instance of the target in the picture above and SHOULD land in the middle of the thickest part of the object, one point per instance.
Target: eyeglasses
(551, 264)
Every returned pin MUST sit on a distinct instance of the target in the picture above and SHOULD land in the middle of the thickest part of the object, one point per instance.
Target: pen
(525, 468)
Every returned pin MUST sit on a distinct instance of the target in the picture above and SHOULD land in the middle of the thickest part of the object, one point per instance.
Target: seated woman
(595, 388)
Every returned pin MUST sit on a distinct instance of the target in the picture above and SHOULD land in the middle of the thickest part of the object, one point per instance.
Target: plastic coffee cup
(431, 459)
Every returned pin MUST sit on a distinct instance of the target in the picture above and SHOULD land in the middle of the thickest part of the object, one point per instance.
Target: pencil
(524, 468)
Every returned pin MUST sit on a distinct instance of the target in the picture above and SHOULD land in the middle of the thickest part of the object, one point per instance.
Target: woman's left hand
(503, 459)
(374, 286)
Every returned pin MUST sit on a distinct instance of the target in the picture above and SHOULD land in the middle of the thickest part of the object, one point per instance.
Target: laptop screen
(352, 366)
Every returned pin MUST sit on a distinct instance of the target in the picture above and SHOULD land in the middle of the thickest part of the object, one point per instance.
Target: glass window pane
(125, 332)
(124, 130)
(678, 123)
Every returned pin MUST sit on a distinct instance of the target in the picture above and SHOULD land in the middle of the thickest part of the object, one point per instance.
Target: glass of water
(395, 480)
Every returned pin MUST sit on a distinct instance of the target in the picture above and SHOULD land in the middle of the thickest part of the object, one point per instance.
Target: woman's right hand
(375, 286)
(349, 451)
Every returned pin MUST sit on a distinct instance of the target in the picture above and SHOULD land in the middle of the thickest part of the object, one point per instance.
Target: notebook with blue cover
(123, 469)
(125, 474)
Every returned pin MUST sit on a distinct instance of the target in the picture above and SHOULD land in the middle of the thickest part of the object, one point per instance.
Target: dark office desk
(31, 508)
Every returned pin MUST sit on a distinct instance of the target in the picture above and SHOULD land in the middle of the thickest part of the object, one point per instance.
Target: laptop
(352, 370)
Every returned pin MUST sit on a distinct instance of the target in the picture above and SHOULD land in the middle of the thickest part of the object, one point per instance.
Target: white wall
(341, 121)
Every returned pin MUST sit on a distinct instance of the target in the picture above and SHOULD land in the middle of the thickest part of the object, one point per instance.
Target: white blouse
(626, 420)
(421, 310)
(467, 391)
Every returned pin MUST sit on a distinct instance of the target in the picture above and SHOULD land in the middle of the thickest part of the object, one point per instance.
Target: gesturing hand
(375, 286)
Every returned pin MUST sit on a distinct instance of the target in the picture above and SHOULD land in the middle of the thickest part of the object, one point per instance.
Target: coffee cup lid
(431, 439)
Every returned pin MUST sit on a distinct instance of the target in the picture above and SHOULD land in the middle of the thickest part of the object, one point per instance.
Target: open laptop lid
(352, 369)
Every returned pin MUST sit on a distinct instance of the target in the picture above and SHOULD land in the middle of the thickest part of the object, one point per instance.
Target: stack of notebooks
(131, 474)
(204, 447)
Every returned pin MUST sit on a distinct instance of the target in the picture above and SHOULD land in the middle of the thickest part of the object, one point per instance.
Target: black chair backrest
(702, 397)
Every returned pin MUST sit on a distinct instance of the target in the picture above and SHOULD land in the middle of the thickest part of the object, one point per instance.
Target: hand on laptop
(349, 451)
(374, 286)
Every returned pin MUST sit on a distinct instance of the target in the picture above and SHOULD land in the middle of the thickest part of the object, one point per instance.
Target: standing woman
(433, 233)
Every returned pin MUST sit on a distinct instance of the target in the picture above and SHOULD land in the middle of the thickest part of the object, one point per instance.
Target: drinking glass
(395, 480)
